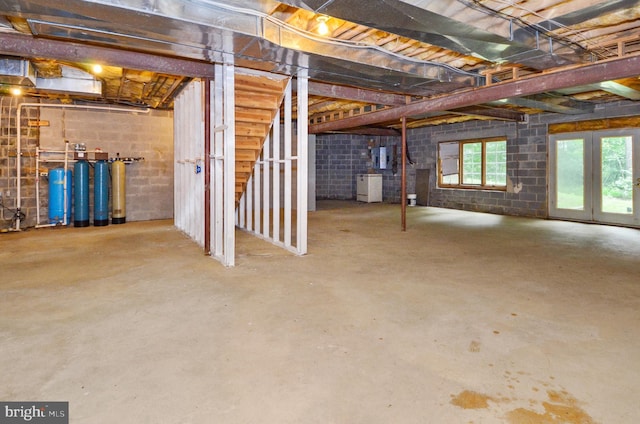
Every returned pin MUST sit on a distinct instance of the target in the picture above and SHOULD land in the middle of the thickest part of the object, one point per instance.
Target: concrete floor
(465, 318)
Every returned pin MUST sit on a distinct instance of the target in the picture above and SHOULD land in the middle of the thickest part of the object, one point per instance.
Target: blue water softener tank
(101, 194)
(81, 194)
(57, 196)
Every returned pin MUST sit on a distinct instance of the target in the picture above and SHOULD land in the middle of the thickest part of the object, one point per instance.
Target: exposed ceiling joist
(356, 94)
(487, 112)
(567, 77)
(255, 40)
(503, 39)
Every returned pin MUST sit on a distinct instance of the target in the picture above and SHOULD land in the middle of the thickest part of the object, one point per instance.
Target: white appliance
(369, 188)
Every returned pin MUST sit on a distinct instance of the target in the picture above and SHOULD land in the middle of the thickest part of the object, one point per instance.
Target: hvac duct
(17, 72)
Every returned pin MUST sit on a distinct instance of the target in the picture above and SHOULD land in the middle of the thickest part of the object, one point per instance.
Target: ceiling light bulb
(97, 69)
(16, 91)
(323, 28)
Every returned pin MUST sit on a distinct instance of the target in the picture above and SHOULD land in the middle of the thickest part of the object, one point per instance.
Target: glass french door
(595, 176)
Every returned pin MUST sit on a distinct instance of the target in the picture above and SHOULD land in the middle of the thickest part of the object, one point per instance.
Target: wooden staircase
(257, 100)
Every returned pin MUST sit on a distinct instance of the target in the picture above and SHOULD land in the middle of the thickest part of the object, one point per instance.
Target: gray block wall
(526, 164)
(149, 183)
(340, 158)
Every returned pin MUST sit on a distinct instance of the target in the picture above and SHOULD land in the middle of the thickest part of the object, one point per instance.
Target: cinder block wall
(341, 157)
(526, 164)
(527, 145)
(149, 182)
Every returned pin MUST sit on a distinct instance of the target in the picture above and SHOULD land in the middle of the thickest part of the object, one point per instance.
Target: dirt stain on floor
(561, 408)
(471, 400)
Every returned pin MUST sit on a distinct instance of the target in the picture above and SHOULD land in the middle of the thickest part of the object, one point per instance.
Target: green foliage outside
(617, 184)
(617, 181)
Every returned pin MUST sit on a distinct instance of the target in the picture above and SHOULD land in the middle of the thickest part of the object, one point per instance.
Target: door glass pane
(617, 174)
(570, 174)
(472, 163)
(496, 163)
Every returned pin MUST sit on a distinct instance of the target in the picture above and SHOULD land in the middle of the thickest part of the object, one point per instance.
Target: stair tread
(257, 100)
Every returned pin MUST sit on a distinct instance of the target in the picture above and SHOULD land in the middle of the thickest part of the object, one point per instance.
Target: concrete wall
(341, 157)
(149, 182)
(526, 164)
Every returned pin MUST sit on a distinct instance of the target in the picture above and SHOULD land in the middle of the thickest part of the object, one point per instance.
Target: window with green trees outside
(480, 164)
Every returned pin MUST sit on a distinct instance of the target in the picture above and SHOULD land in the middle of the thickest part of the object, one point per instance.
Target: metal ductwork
(435, 23)
(22, 73)
(207, 29)
(17, 72)
(73, 81)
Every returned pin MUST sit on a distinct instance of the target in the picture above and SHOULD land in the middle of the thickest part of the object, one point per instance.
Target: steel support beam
(567, 77)
(26, 46)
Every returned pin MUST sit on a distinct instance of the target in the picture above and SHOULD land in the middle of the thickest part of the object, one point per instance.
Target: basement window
(473, 164)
